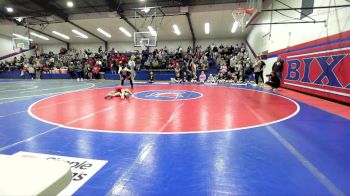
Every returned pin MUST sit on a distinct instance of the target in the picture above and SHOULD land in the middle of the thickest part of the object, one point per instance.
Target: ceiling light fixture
(176, 29)
(206, 28)
(80, 34)
(146, 9)
(40, 36)
(70, 4)
(234, 27)
(9, 9)
(21, 36)
(104, 32)
(125, 31)
(152, 31)
(19, 19)
(60, 34)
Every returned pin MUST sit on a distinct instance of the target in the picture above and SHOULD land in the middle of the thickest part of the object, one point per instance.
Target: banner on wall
(320, 70)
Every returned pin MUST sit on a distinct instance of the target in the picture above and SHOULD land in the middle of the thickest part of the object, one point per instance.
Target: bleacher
(160, 62)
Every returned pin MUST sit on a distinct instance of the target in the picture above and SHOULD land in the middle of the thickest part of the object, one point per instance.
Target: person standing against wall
(277, 67)
(259, 66)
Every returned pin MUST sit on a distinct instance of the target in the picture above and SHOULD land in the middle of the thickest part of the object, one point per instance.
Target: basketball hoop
(238, 15)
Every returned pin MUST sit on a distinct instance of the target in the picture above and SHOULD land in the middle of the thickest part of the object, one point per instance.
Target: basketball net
(143, 46)
(238, 15)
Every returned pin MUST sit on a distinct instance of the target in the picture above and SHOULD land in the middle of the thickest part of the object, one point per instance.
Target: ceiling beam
(161, 11)
(51, 9)
(296, 10)
(306, 8)
(298, 22)
(112, 4)
(192, 32)
(116, 7)
(127, 21)
(7, 17)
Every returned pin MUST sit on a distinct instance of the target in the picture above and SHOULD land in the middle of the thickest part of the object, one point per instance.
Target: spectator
(202, 77)
(71, 69)
(31, 71)
(211, 79)
(151, 77)
(131, 65)
(38, 70)
(95, 71)
(277, 67)
(274, 81)
(79, 71)
(259, 66)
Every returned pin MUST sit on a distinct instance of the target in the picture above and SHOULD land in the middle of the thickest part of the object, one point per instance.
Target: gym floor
(181, 139)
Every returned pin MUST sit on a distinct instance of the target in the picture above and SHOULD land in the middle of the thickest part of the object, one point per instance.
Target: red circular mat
(213, 108)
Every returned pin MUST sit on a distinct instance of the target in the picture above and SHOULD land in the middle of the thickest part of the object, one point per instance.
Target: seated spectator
(274, 81)
(113, 66)
(147, 64)
(96, 72)
(151, 77)
(202, 77)
(223, 67)
(194, 77)
(220, 78)
(154, 64)
(177, 75)
(230, 78)
(211, 79)
(71, 69)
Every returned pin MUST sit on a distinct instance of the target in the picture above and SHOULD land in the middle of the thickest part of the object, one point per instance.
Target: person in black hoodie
(274, 81)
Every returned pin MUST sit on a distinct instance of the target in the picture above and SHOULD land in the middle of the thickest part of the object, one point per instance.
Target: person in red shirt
(119, 91)
(95, 71)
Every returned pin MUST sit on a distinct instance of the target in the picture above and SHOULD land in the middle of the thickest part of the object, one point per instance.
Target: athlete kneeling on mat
(119, 91)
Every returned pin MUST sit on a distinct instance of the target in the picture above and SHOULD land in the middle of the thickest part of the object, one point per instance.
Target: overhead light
(40, 36)
(81, 35)
(152, 31)
(61, 35)
(21, 36)
(104, 32)
(206, 28)
(9, 9)
(234, 27)
(146, 9)
(176, 29)
(19, 19)
(125, 31)
(70, 4)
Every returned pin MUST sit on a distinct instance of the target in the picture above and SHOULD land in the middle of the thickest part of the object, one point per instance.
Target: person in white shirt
(211, 79)
(131, 65)
(259, 66)
(202, 77)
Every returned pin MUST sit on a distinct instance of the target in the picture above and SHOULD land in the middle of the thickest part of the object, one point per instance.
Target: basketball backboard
(145, 39)
(20, 43)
